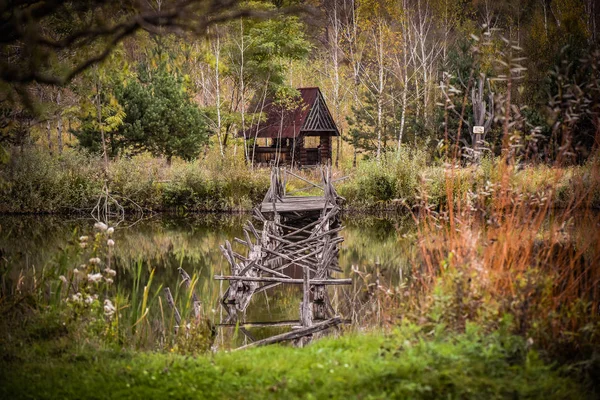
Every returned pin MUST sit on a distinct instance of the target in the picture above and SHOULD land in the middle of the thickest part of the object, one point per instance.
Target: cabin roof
(310, 117)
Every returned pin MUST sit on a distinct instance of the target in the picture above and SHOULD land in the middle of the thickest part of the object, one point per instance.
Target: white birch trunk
(380, 90)
(218, 93)
(243, 88)
(49, 135)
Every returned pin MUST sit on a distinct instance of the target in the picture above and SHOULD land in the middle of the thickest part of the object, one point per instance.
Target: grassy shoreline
(36, 182)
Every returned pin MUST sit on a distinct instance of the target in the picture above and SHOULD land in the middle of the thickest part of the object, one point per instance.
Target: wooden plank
(345, 281)
(295, 334)
(288, 199)
(171, 303)
(296, 206)
(187, 281)
(248, 325)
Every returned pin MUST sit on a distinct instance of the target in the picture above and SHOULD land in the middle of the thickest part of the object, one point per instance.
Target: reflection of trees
(386, 241)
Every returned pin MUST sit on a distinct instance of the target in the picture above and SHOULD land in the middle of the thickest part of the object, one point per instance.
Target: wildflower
(109, 308)
(110, 243)
(83, 245)
(63, 279)
(83, 238)
(108, 280)
(110, 272)
(89, 300)
(110, 230)
(101, 226)
(95, 260)
(76, 297)
(94, 278)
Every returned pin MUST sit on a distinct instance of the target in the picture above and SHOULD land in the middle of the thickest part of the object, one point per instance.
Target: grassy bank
(407, 363)
(34, 181)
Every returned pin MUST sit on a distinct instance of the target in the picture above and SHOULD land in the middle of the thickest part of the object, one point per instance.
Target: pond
(377, 252)
(383, 246)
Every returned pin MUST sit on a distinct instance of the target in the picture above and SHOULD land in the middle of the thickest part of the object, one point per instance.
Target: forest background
(406, 81)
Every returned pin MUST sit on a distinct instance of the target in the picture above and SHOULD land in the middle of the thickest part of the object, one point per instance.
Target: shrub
(396, 177)
(35, 181)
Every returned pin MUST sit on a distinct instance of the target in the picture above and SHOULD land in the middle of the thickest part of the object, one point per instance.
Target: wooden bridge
(297, 232)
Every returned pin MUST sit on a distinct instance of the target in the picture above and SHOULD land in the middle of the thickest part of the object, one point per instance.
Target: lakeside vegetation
(36, 182)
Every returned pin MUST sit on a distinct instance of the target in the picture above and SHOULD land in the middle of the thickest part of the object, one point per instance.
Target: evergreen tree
(156, 114)
(161, 117)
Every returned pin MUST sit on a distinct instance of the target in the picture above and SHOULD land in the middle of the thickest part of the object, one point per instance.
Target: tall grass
(406, 180)
(34, 181)
(509, 248)
(79, 297)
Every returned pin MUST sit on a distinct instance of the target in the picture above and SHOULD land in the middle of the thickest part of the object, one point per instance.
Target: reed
(506, 250)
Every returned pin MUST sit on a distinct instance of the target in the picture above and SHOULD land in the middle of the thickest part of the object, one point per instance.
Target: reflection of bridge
(299, 234)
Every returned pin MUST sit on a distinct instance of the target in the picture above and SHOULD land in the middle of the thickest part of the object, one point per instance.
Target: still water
(376, 245)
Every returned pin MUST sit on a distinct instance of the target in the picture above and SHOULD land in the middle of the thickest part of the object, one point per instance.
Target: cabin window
(283, 142)
(312, 142)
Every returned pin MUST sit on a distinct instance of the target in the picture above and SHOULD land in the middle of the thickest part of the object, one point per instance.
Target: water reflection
(164, 243)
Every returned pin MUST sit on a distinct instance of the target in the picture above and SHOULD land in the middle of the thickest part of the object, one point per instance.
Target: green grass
(404, 364)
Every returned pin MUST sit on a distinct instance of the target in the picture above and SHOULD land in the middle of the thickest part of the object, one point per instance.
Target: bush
(34, 181)
(396, 177)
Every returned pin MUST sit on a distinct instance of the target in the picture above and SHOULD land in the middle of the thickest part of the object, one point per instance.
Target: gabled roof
(310, 117)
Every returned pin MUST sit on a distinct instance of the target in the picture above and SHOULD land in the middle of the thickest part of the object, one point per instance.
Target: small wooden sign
(478, 129)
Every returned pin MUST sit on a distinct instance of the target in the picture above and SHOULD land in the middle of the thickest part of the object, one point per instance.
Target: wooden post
(187, 282)
(171, 303)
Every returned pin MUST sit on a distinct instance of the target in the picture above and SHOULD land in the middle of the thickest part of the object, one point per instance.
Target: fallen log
(295, 334)
(270, 324)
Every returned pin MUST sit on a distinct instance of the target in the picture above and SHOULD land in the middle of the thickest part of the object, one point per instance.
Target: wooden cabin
(299, 136)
